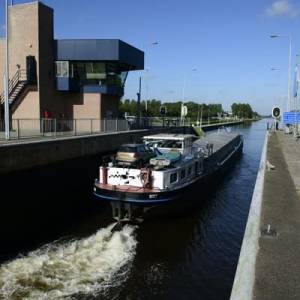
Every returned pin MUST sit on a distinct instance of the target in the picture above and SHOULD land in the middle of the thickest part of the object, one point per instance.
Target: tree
(173, 108)
(242, 110)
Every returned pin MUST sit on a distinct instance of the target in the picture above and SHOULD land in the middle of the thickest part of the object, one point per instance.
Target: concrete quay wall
(245, 274)
(20, 156)
(269, 263)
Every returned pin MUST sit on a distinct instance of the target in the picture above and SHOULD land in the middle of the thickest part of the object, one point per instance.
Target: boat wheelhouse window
(188, 142)
(127, 149)
(141, 149)
(182, 174)
(173, 177)
(170, 144)
(147, 149)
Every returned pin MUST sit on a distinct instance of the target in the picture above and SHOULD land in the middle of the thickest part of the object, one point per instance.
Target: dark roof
(100, 50)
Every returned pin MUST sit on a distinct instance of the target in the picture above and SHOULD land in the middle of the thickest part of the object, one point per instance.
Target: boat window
(127, 149)
(196, 167)
(188, 142)
(182, 174)
(170, 144)
(148, 149)
(141, 149)
(190, 170)
(173, 177)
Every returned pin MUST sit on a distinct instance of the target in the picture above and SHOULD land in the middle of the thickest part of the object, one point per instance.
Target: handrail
(20, 75)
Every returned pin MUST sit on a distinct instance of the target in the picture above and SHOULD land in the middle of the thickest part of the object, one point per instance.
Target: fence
(32, 128)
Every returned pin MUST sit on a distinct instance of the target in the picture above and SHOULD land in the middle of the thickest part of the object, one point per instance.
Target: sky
(211, 51)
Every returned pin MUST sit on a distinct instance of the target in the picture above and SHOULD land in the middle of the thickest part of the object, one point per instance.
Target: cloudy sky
(227, 42)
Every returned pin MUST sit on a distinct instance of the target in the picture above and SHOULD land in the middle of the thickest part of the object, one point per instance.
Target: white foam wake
(84, 266)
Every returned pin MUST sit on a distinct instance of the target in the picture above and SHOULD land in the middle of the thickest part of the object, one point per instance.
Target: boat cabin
(177, 162)
(181, 143)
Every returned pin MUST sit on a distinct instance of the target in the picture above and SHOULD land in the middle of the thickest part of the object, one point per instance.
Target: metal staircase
(16, 86)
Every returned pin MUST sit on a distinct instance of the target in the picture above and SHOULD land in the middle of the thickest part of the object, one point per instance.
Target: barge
(176, 165)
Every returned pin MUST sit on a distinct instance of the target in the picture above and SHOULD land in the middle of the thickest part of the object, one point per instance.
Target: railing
(39, 128)
(20, 75)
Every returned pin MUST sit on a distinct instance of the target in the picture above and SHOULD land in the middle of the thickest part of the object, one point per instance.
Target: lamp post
(199, 120)
(183, 93)
(147, 87)
(147, 69)
(281, 99)
(289, 67)
(6, 79)
(296, 82)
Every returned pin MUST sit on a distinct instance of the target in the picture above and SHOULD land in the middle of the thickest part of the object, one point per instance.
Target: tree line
(195, 110)
(243, 110)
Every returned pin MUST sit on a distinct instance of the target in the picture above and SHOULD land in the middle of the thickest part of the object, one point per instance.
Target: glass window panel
(173, 177)
(62, 68)
(57, 69)
(65, 69)
(182, 174)
(93, 72)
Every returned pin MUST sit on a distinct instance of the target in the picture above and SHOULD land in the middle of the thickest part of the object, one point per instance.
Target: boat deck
(218, 139)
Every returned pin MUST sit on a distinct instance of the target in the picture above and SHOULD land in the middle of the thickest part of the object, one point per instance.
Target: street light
(296, 82)
(289, 68)
(155, 43)
(280, 99)
(199, 123)
(146, 76)
(183, 93)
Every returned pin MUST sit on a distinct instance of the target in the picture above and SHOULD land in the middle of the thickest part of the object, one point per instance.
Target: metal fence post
(116, 124)
(91, 126)
(43, 126)
(18, 129)
(75, 129)
(54, 126)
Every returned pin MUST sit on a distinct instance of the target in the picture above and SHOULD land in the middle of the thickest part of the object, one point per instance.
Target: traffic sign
(276, 112)
(291, 117)
(163, 110)
(184, 111)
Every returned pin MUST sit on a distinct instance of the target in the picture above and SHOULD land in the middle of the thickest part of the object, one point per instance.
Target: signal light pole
(139, 102)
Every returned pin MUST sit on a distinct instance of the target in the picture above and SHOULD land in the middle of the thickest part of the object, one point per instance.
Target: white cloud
(282, 8)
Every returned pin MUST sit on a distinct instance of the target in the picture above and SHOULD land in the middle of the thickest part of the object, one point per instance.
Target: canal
(56, 241)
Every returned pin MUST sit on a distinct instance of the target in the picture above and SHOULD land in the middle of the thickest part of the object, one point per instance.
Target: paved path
(278, 260)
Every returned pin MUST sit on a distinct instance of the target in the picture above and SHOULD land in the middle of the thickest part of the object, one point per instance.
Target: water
(192, 256)
(83, 267)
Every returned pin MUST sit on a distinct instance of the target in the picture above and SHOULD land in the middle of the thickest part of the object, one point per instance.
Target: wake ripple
(85, 266)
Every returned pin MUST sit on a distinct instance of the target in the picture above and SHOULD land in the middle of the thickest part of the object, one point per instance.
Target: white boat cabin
(170, 142)
(179, 173)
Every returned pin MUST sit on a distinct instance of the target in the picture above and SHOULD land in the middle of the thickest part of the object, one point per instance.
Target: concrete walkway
(277, 270)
